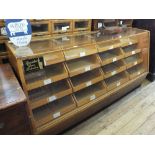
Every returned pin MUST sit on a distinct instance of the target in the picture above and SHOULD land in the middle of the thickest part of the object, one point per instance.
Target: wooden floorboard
(132, 114)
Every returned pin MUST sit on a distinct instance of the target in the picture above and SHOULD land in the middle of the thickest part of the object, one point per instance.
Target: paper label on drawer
(111, 47)
(52, 98)
(118, 84)
(82, 54)
(65, 28)
(92, 97)
(113, 73)
(133, 52)
(56, 115)
(99, 25)
(87, 68)
(88, 83)
(65, 38)
(135, 63)
(114, 59)
(130, 43)
(138, 73)
(47, 81)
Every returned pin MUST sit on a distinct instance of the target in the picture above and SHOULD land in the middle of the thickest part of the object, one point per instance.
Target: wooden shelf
(131, 50)
(111, 56)
(136, 71)
(133, 60)
(41, 96)
(46, 76)
(88, 94)
(53, 110)
(116, 80)
(81, 51)
(86, 79)
(113, 68)
(81, 25)
(61, 26)
(108, 45)
(82, 65)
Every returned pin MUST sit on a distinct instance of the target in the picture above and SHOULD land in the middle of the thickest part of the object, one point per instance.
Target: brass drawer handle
(1, 125)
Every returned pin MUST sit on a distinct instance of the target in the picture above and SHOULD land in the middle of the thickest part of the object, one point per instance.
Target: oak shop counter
(70, 77)
(13, 104)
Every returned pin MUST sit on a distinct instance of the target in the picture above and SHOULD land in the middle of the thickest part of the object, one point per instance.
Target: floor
(133, 114)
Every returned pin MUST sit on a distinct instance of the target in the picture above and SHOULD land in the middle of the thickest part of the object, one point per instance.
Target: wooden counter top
(11, 92)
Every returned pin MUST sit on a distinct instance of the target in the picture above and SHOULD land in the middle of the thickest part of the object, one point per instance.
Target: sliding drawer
(86, 79)
(128, 41)
(113, 68)
(88, 94)
(82, 25)
(131, 50)
(108, 45)
(61, 26)
(53, 58)
(46, 76)
(53, 110)
(116, 80)
(111, 56)
(40, 28)
(82, 65)
(136, 71)
(41, 96)
(80, 51)
(133, 60)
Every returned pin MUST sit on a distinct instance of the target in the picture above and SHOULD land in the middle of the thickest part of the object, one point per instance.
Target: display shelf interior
(39, 28)
(86, 79)
(2, 47)
(136, 70)
(113, 68)
(78, 52)
(131, 50)
(53, 110)
(111, 56)
(81, 25)
(116, 80)
(133, 60)
(82, 65)
(90, 93)
(61, 26)
(128, 41)
(49, 93)
(110, 22)
(54, 72)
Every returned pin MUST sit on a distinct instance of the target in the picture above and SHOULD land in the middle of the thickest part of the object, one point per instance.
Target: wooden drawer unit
(81, 25)
(133, 60)
(54, 110)
(136, 71)
(113, 68)
(88, 94)
(40, 28)
(116, 80)
(111, 56)
(131, 50)
(108, 45)
(82, 65)
(46, 76)
(49, 93)
(67, 76)
(14, 116)
(81, 51)
(86, 79)
(53, 58)
(61, 26)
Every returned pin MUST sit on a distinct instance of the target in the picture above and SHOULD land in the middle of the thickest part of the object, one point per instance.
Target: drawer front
(14, 121)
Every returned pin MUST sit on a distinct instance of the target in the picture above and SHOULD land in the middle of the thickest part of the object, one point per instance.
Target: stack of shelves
(67, 75)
